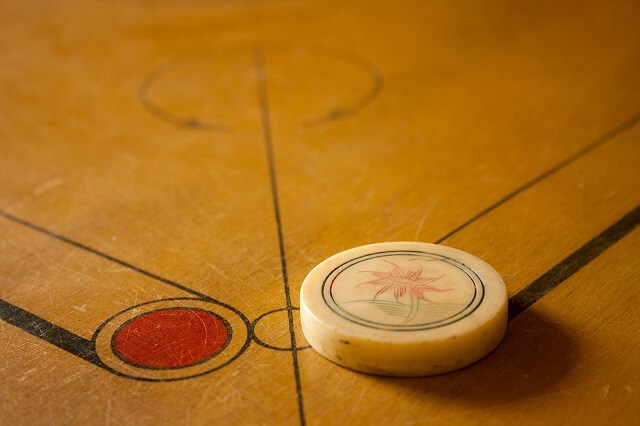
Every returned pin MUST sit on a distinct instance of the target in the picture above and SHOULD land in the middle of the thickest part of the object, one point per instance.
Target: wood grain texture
(219, 150)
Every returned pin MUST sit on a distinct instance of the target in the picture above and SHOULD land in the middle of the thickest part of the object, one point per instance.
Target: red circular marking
(171, 338)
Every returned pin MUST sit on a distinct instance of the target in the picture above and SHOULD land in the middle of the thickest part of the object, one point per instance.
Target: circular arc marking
(479, 290)
(102, 338)
(337, 113)
(159, 112)
(267, 345)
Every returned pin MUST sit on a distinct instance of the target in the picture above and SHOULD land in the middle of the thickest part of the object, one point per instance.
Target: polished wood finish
(141, 144)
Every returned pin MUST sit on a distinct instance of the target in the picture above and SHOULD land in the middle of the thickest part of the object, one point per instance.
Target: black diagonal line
(268, 142)
(572, 264)
(49, 332)
(556, 168)
(100, 254)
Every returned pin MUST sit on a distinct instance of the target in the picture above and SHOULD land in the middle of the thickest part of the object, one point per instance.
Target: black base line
(621, 128)
(50, 333)
(261, 86)
(102, 255)
(177, 299)
(71, 342)
(572, 264)
(86, 349)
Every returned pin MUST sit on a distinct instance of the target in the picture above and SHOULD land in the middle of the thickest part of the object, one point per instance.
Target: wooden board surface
(206, 155)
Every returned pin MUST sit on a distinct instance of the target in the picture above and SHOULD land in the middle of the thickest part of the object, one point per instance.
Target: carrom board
(170, 172)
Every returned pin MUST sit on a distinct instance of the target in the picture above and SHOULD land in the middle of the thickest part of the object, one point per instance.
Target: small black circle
(266, 345)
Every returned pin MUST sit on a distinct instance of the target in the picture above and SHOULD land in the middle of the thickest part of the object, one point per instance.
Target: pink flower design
(402, 282)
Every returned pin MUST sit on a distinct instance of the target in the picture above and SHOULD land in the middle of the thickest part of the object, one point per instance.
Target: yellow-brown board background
(442, 111)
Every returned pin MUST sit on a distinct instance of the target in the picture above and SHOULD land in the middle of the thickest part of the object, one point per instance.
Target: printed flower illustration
(401, 282)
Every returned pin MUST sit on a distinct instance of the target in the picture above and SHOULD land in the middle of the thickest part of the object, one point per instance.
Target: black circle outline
(407, 252)
(337, 113)
(175, 379)
(412, 327)
(115, 350)
(266, 345)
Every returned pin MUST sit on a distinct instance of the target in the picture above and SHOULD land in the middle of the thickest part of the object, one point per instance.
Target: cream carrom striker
(403, 309)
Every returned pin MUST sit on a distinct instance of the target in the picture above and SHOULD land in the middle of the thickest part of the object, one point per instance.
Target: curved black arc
(266, 345)
(339, 112)
(147, 102)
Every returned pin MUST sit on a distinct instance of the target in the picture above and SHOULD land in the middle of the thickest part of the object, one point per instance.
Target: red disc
(171, 338)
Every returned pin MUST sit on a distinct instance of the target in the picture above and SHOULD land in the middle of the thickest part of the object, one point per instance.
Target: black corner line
(573, 263)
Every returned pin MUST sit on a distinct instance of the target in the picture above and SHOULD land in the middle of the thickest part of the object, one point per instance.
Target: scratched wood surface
(159, 154)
